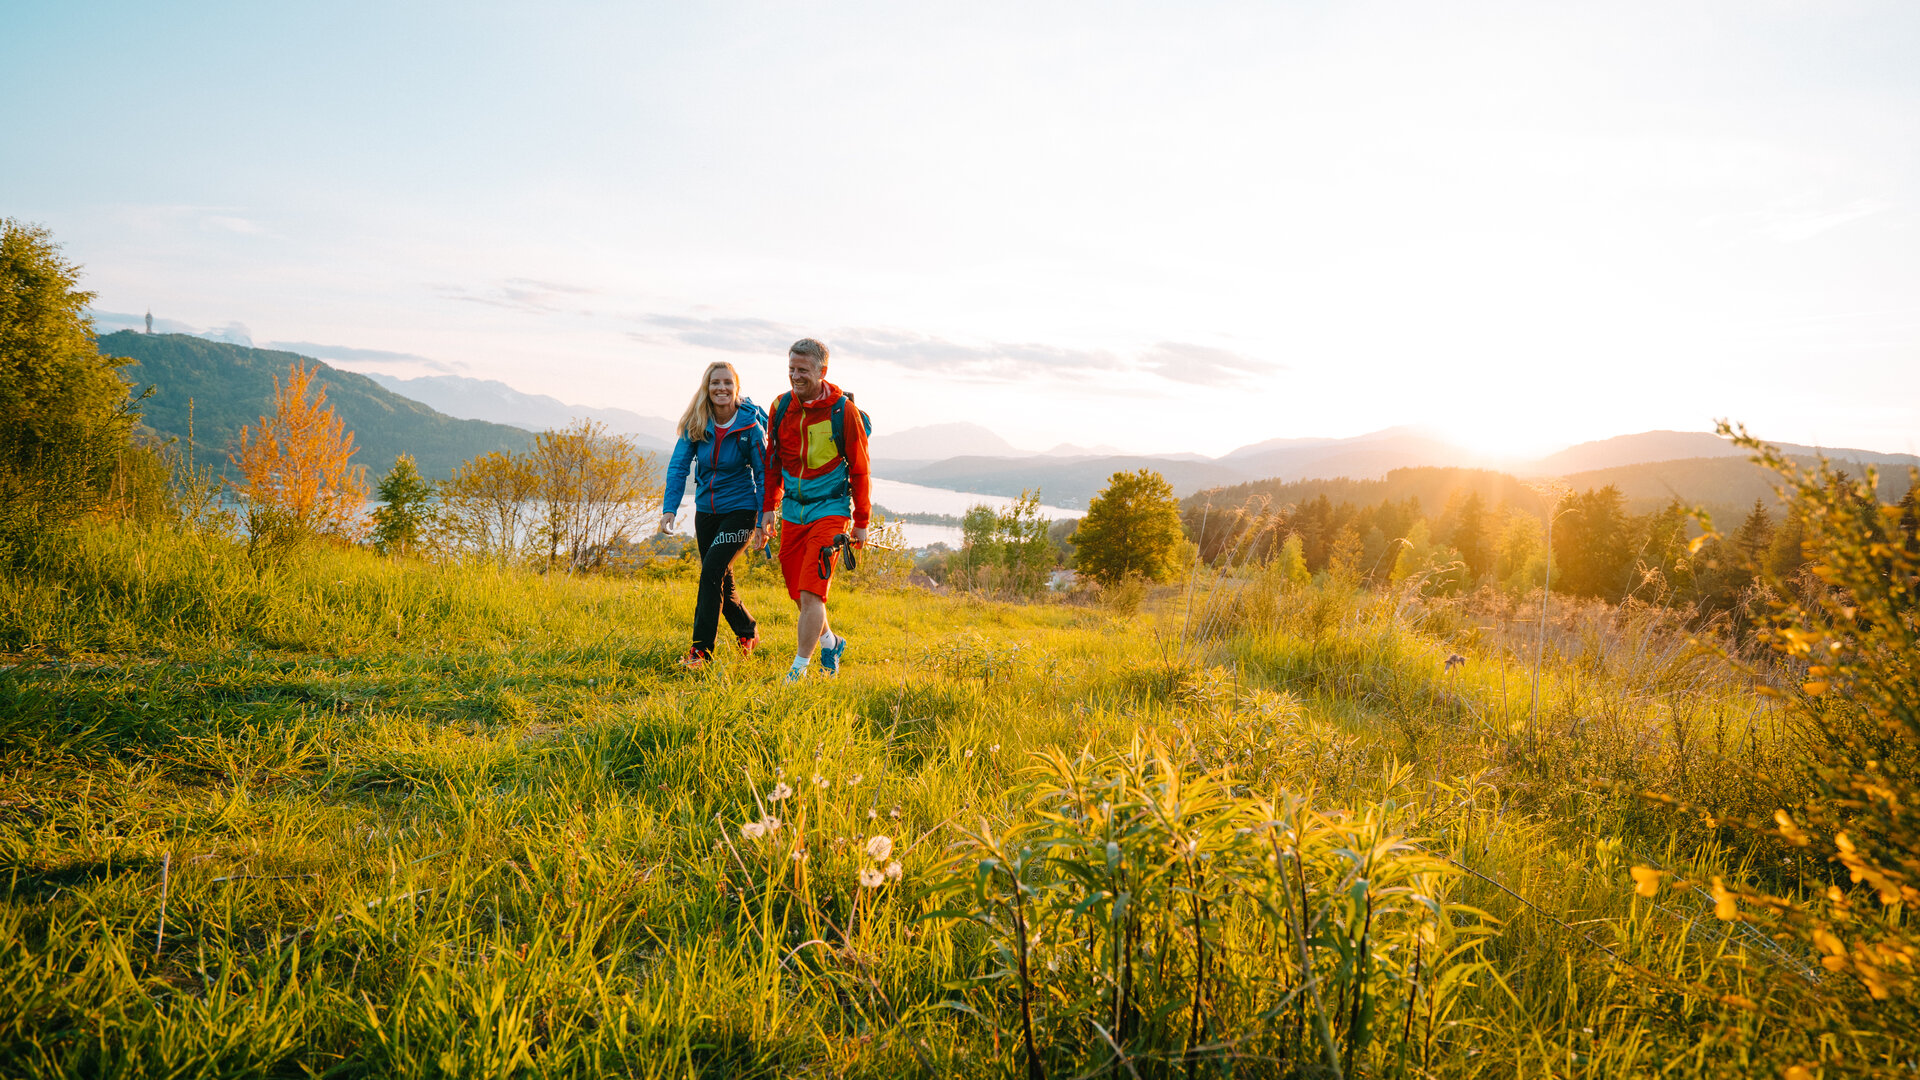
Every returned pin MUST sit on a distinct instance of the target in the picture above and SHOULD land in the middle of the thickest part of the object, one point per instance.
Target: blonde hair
(693, 422)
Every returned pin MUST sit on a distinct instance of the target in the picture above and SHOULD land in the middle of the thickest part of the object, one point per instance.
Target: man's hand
(769, 521)
(759, 538)
(666, 523)
(858, 536)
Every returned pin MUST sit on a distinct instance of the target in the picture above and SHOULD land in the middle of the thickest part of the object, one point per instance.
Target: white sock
(828, 641)
(800, 662)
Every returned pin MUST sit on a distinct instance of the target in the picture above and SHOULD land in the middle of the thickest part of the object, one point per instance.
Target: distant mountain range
(1073, 480)
(496, 402)
(446, 419)
(230, 386)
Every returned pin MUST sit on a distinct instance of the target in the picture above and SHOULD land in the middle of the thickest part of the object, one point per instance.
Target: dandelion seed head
(893, 870)
(879, 847)
(871, 878)
(752, 830)
(779, 792)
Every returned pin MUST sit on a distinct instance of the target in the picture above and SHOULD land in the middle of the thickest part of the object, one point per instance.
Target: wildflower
(872, 813)
(819, 781)
(880, 847)
(752, 830)
(1646, 880)
(893, 870)
(800, 855)
(894, 813)
(771, 824)
(969, 752)
(994, 749)
(780, 791)
(871, 878)
(855, 782)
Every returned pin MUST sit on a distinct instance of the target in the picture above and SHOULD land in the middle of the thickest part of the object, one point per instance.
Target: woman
(722, 435)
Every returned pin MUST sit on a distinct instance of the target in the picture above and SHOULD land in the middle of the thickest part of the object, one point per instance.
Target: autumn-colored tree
(485, 506)
(591, 486)
(296, 477)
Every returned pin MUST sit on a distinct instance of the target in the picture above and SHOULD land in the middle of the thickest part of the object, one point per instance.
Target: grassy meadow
(345, 815)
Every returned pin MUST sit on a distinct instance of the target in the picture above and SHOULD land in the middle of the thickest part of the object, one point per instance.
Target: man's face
(803, 374)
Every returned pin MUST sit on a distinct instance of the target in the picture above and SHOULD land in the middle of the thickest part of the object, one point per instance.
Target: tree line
(71, 447)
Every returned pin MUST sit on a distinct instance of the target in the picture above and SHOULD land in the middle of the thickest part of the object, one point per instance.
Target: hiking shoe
(794, 675)
(747, 645)
(830, 658)
(695, 659)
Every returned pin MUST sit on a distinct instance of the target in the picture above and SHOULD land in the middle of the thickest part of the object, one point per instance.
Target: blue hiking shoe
(830, 657)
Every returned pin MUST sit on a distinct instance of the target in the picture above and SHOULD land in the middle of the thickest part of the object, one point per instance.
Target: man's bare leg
(813, 623)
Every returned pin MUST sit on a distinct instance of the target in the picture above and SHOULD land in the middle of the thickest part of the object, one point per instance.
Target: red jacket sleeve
(857, 467)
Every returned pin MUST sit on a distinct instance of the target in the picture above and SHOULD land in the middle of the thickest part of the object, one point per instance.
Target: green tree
(407, 513)
(1290, 565)
(1132, 529)
(65, 417)
(1464, 526)
(1592, 550)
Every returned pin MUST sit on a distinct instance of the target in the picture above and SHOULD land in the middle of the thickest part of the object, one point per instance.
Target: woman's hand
(666, 523)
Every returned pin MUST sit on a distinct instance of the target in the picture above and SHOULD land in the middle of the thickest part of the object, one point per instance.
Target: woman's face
(720, 389)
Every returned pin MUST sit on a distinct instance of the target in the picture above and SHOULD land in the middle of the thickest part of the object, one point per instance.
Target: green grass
(415, 820)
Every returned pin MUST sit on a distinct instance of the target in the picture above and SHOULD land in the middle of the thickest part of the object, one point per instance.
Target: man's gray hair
(807, 346)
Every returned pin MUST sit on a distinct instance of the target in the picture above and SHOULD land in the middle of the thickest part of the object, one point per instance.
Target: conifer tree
(407, 510)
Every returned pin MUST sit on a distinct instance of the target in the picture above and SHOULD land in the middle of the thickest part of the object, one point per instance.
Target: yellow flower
(1788, 830)
(1724, 907)
(1646, 880)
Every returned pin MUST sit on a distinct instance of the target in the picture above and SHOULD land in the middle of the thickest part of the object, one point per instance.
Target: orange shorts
(800, 547)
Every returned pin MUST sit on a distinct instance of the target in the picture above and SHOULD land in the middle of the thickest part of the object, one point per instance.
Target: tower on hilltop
(149, 320)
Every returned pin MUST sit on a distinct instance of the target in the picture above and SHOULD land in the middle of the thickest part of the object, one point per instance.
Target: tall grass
(427, 820)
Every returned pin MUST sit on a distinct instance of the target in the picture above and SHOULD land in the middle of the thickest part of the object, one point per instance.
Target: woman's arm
(677, 467)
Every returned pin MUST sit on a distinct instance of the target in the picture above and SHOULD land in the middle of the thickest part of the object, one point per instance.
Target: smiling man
(816, 482)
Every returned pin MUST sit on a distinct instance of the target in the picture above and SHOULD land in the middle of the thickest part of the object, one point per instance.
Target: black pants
(720, 536)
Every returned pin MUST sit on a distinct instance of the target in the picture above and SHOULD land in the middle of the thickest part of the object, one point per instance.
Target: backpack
(839, 419)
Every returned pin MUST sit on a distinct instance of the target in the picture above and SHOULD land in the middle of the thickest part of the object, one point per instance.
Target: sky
(1160, 227)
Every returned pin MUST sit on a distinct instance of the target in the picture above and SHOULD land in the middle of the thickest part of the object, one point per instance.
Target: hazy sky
(1163, 227)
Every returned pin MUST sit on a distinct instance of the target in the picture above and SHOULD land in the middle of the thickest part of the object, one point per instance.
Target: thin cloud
(522, 294)
(1791, 228)
(371, 356)
(726, 335)
(1204, 365)
(989, 362)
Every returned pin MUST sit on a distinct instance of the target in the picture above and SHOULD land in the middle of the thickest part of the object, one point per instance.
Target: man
(816, 480)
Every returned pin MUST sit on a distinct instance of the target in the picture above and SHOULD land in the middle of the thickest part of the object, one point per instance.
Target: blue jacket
(727, 472)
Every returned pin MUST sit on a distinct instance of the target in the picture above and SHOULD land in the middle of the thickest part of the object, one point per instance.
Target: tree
(297, 479)
(485, 505)
(1463, 525)
(1132, 529)
(1290, 565)
(65, 416)
(1008, 550)
(407, 510)
(592, 486)
(1592, 555)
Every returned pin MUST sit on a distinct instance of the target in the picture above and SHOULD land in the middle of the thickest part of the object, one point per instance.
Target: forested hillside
(230, 386)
